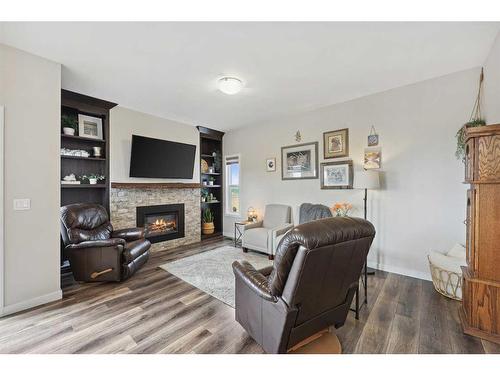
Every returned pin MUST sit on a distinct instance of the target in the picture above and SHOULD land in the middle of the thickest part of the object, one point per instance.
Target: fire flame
(161, 225)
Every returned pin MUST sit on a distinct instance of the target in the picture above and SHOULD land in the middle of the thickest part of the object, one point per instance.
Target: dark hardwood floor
(155, 312)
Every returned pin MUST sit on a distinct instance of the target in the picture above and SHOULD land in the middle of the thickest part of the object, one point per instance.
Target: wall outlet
(22, 204)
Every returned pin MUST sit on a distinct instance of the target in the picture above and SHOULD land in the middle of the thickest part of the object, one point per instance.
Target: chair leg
(366, 283)
(271, 257)
(245, 250)
(357, 303)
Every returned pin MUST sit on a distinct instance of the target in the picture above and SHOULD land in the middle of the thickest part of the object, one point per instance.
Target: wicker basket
(448, 283)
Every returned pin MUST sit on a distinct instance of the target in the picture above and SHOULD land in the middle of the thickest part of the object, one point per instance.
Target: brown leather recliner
(309, 288)
(95, 251)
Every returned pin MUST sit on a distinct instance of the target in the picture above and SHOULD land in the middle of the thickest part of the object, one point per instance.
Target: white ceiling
(170, 69)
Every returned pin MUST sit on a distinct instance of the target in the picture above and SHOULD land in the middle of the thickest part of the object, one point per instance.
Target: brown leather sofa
(309, 288)
(95, 251)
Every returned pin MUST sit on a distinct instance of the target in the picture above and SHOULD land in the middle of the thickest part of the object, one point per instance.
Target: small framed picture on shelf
(89, 127)
(337, 175)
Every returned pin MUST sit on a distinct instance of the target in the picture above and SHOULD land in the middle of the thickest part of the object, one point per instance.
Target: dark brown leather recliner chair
(95, 251)
(309, 288)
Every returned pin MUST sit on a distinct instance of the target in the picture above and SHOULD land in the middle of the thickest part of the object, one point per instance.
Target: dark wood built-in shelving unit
(73, 103)
(210, 142)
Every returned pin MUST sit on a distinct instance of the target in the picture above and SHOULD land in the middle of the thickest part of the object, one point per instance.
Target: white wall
(125, 122)
(30, 90)
(491, 98)
(422, 203)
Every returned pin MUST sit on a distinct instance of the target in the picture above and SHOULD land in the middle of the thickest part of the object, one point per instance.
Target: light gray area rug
(212, 272)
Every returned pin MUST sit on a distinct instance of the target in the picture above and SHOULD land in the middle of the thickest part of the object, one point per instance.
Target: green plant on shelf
(92, 178)
(208, 216)
(460, 153)
(69, 121)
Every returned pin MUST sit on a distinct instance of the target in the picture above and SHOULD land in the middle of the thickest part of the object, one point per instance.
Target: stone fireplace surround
(125, 197)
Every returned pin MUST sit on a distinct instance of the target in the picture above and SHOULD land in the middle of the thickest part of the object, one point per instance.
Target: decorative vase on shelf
(210, 182)
(207, 228)
(97, 151)
(92, 181)
(68, 131)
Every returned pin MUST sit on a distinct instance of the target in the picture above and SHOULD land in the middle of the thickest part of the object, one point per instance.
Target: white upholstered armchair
(262, 235)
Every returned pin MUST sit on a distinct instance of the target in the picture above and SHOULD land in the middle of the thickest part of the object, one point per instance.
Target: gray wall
(421, 205)
(125, 122)
(30, 91)
(491, 98)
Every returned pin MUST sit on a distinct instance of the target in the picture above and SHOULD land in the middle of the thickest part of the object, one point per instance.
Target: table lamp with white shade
(368, 180)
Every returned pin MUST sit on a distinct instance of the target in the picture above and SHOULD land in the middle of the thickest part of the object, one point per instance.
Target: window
(233, 185)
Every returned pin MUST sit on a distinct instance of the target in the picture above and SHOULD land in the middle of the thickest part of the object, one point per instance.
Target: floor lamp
(368, 180)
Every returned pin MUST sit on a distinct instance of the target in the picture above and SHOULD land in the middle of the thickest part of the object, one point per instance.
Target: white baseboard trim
(227, 234)
(382, 267)
(400, 271)
(24, 305)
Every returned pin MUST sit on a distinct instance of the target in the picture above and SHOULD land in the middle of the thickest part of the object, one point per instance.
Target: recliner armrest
(129, 234)
(97, 243)
(258, 224)
(266, 271)
(282, 229)
(276, 232)
(256, 281)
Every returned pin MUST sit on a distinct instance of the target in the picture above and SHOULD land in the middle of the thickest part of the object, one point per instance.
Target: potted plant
(208, 222)
(341, 209)
(460, 152)
(211, 181)
(69, 124)
(93, 178)
(204, 195)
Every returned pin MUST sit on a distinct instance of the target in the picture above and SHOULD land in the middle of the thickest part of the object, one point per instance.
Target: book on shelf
(70, 182)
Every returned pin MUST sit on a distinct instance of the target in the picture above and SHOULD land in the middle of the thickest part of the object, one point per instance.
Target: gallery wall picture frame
(372, 158)
(90, 126)
(372, 137)
(336, 144)
(271, 165)
(337, 175)
(299, 162)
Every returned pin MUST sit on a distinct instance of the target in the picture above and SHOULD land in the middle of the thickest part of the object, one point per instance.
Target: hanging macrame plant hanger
(475, 119)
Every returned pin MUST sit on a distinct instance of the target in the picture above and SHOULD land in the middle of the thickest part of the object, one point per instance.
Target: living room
(250, 187)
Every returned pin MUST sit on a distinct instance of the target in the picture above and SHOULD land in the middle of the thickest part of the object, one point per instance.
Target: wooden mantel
(155, 185)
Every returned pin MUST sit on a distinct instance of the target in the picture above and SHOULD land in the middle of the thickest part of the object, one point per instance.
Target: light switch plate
(22, 204)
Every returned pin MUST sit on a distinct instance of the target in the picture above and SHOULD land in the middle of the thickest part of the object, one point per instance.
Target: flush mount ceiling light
(230, 85)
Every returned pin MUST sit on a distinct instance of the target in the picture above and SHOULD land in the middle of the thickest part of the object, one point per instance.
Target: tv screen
(157, 158)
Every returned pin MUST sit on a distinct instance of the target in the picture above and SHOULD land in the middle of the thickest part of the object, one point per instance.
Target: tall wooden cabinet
(480, 313)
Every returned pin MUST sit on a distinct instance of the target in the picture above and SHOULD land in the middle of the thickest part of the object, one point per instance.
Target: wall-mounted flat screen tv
(157, 158)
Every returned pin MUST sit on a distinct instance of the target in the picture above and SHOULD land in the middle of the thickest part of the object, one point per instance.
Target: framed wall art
(89, 126)
(336, 144)
(372, 158)
(299, 161)
(372, 137)
(271, 165)
(337, 175)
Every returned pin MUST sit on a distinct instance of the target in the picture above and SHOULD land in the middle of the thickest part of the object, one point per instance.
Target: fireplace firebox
(162, 222)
